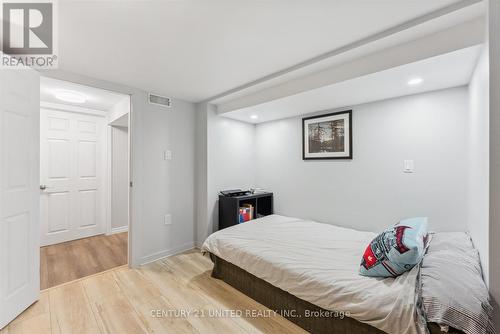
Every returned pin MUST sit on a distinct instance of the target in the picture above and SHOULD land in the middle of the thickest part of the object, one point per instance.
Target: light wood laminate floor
(125, 300)
(75, 259)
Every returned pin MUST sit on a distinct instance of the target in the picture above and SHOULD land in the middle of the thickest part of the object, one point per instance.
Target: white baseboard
(118, 230)
(166, 253)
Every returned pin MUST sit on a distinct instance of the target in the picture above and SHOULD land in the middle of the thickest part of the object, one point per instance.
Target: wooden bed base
(298, 311)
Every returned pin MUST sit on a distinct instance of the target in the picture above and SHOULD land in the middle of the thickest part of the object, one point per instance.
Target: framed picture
(327, 136)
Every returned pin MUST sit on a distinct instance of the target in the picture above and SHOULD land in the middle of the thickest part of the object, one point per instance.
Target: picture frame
(327, 136)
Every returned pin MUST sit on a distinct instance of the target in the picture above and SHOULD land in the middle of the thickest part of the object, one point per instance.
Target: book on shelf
(246, 213)
(252, 216)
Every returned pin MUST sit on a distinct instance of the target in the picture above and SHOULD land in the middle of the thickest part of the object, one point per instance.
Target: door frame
(104, 185)
(137, 98)
(133, 239)
(109, 174)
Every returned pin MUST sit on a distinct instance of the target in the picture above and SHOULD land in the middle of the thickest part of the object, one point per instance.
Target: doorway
(84, 180)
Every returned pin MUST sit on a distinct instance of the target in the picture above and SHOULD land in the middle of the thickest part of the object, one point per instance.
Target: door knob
(43, 187)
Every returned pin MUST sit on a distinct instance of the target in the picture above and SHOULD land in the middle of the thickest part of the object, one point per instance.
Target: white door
(72, 152)
(19, 191)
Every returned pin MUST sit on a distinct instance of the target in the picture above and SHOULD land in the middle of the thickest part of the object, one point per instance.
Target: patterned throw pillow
(396, 250)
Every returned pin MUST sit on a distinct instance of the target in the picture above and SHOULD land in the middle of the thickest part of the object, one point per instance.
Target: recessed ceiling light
(69, 96)
(254, 117)
(415, 81)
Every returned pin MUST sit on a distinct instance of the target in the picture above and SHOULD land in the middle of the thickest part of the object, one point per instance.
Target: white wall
(160, 187)
(371, 191)
(478, 218)
(225, 160)
(119, 179)
(494, 228)
(231, 159)
(201, 180)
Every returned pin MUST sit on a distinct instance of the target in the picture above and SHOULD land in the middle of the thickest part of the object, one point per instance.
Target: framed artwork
(327, 136)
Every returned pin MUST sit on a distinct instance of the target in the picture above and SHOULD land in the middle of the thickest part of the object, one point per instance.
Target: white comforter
(319, 263)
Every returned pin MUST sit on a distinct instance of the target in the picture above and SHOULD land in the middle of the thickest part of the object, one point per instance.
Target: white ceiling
(444, 71)
(430, 25)
(195, 49)
(98, 99)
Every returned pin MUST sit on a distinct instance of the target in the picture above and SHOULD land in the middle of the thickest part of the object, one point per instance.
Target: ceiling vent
(160, 100)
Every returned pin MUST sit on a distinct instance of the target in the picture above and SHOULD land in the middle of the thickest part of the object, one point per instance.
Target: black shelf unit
(229, 207)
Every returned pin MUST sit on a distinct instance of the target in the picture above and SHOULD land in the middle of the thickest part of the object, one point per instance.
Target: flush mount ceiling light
(254, 117)
(69, 96)
(415, 81)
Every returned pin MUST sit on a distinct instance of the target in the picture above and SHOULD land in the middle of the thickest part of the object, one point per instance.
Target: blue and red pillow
(396, 250)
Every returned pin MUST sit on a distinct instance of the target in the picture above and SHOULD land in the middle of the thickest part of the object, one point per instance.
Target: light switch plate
(408, 166)
(167, 155)
(168, 219)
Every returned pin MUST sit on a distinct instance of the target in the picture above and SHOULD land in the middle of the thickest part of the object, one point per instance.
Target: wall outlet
(167, 219)
(167, 155)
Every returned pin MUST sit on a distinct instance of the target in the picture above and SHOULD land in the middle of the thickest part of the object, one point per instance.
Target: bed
(308, 272)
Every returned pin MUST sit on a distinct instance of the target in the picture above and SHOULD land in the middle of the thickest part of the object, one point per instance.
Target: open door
(19, 191)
